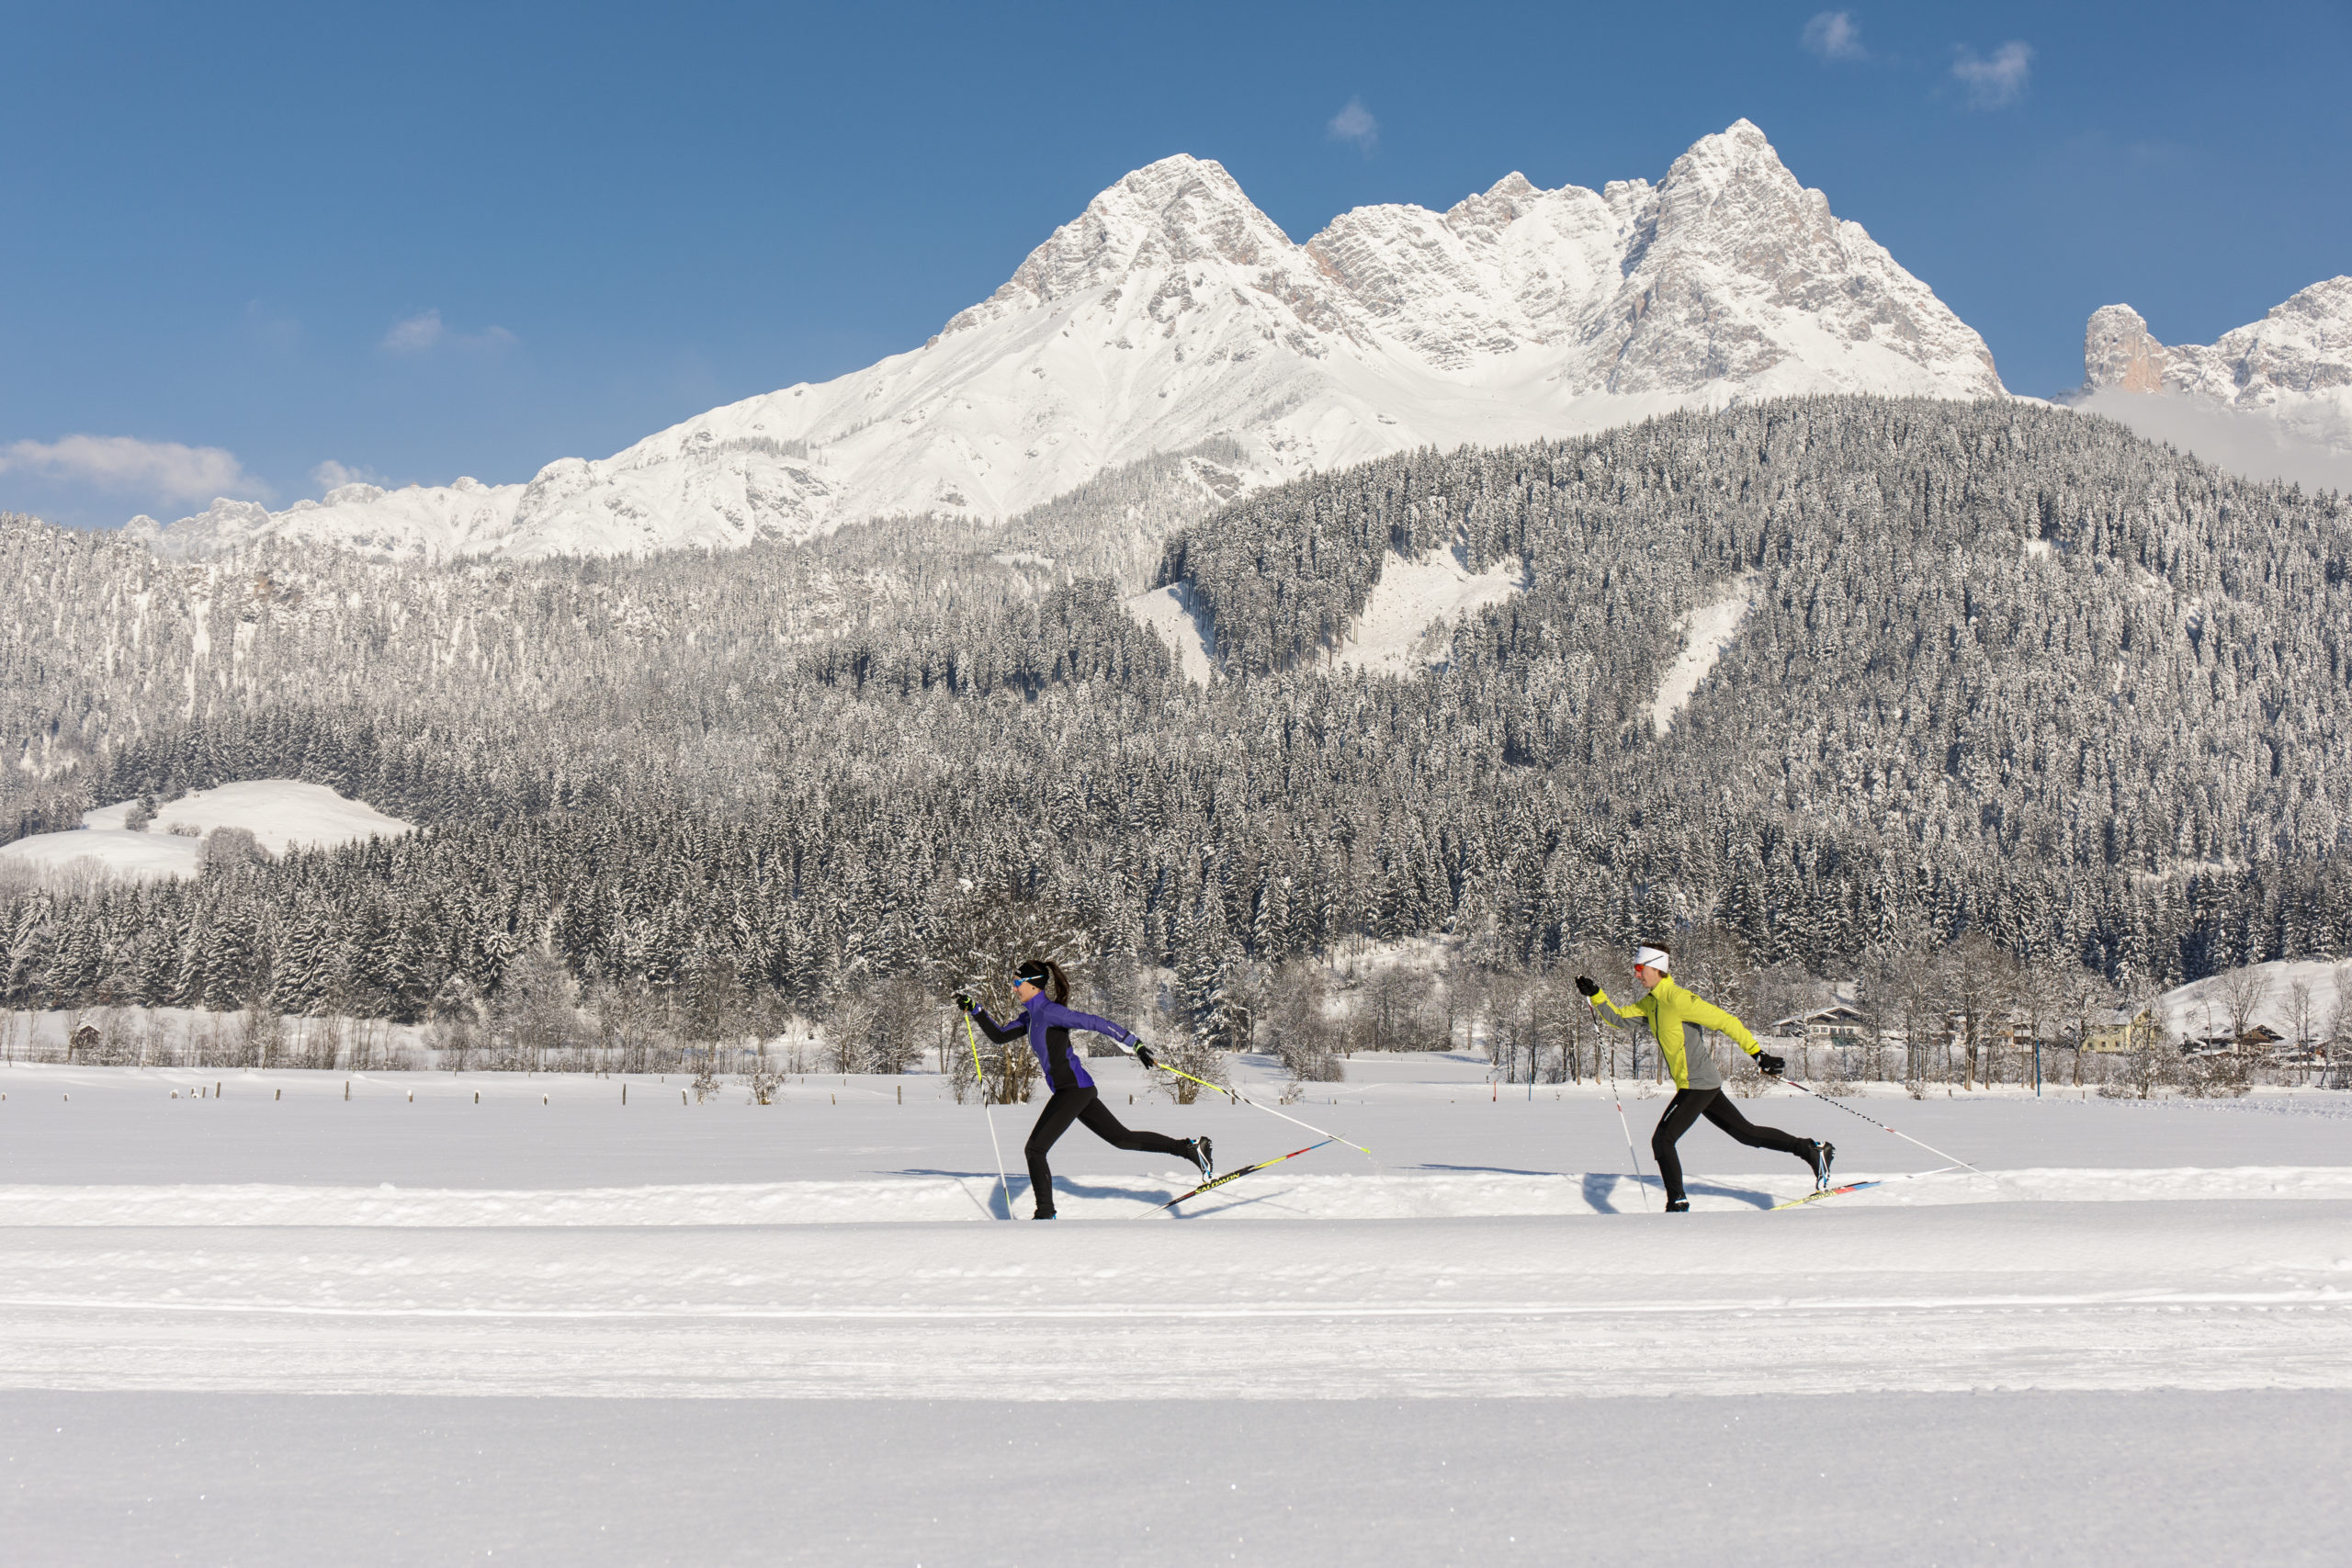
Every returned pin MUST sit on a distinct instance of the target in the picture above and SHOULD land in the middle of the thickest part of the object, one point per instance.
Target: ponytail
(1048, 976)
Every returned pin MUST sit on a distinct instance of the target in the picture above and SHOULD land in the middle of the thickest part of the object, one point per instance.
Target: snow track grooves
(2313, 1301)
(1278, 1196)
(2099, 1295)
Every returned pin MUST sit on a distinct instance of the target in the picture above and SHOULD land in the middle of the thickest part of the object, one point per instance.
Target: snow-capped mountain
(1173, 310)
(2294, 365)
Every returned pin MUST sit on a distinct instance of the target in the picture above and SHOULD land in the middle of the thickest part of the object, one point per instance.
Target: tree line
(2007, 672)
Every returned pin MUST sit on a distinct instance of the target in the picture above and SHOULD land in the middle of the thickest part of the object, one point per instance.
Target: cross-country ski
(1215, 1182)
(1820, 1192)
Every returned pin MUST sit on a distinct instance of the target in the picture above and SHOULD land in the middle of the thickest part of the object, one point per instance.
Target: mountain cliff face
(1173, 311)
(2295, 364)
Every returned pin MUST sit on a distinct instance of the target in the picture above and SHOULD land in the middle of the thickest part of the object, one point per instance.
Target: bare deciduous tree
(2242, 993)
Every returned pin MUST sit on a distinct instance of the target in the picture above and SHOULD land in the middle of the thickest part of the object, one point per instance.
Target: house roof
(1834, 1014)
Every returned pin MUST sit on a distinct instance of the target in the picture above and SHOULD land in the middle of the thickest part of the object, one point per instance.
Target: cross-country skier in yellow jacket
(1676, 1019)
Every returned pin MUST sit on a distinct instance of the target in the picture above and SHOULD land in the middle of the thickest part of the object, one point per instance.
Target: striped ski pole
(1639, 1180)
(1235, 1094)
(1881, 1125)
(980, 1078)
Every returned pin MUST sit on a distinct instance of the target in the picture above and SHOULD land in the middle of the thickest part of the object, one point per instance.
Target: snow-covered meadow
(562, 1327)
(281, 814)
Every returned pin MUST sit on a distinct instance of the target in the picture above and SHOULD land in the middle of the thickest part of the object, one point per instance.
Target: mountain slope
(2002, 668)
(1173, 311)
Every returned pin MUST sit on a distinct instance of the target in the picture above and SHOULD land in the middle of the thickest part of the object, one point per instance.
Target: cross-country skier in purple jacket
(1047, 1019)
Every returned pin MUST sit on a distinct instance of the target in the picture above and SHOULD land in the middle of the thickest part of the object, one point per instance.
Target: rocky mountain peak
(1173, 311)
(2272, 397)
(1166, 215)
(2300, 352)
(2118, 353)
(1736, 155)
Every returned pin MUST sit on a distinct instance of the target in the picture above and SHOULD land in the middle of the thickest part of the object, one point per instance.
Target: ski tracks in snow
(2193, 1293)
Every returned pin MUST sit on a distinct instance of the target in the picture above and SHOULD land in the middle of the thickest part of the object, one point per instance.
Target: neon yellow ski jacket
(1675, 1019)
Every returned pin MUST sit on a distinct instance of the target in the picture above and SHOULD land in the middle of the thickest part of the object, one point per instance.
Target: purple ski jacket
(1048, 1024)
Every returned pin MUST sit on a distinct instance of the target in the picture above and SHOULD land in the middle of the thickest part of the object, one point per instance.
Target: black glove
(1588, 985)
(1143, 1054)
(1771, 1066)
(963, 1002)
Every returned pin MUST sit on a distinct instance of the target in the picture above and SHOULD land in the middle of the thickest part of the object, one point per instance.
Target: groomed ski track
(2191, 1294)
(564, 1331)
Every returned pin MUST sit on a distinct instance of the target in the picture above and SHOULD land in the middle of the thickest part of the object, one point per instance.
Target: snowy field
(279, 813)
(243, 1318)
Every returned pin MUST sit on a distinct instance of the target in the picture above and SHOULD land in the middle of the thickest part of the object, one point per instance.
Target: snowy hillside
(1173, 311)
(281, 814)
(2269, 995)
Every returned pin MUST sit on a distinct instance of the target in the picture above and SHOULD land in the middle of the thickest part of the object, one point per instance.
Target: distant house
(1840, 1024)
(2113, 1030)
(84, 1043)
(2257, 1040)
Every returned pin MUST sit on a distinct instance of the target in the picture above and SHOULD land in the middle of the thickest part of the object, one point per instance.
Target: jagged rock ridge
(1173, 311)
(2295, 364)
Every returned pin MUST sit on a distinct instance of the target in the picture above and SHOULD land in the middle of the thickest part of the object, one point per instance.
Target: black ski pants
(1682, 1113)
(1069, 1105)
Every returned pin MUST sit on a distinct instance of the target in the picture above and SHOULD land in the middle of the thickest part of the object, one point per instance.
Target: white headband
(1653, 958)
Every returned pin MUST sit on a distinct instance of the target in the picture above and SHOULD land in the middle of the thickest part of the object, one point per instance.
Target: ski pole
(1639, 1180)
(1881, 1125)
(1233, 1093)
(980, 1078)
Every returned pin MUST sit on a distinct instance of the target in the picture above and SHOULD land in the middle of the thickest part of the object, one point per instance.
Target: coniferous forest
(2009, 672)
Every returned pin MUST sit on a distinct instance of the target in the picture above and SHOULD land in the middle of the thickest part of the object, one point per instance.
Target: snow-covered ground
(279, 813)
(1404, 622)
(560, 1329)
(1169, 611)
(1706, 632)
(1402, 627)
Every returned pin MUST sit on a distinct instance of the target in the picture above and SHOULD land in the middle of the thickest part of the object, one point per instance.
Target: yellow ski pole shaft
(1233, 1093)
(980, 1078)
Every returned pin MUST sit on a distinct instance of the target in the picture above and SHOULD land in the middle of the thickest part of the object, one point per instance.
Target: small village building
(1840, 1024)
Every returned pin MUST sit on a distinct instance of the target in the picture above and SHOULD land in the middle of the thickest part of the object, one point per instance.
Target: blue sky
(244, 243)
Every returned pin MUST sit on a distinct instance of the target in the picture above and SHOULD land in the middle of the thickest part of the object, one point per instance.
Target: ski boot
(1203, 1158)
(1823, 1155)
(1678, 1205)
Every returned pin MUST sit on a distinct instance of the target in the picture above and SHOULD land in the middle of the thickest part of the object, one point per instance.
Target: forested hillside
(2008, 670)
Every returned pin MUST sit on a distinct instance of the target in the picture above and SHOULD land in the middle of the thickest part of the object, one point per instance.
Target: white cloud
(332, 475)
(1835, 35)
(426, 330)
(1354, 123)
(1997, 82)
(163, 469)
(415, 335)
